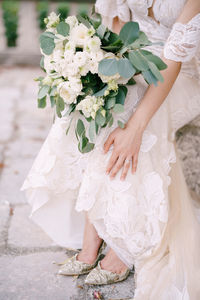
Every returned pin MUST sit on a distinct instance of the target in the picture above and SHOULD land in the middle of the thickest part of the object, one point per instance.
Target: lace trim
(183, 41)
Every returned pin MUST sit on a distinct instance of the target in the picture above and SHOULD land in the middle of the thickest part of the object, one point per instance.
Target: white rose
(70, 46)
(93, 66)
(84, 69)
(93, 44)
(72, 21)
(75, 84)
(97, 56)
(58, 81)
(79, 35)
(69, 69)
(66, 93)
(80, 58)
(69, 55)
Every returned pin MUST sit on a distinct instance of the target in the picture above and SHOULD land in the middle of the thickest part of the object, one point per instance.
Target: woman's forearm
(155, 96)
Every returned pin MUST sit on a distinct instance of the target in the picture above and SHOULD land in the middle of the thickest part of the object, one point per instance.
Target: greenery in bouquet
(88, 68)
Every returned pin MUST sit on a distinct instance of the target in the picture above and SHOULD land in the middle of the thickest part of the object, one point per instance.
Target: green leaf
(99, 118)
(101, 31)
(101, 92)
(42, 102)
(131, 82)
(53, 91)
(42, 62)
(138, 61)
(149, 77)
(129, 32)
(89, 147)
(125, 68)
(43, 91)
(92, 130)
(110, 121)
(52, 100)
(84, 21)
(120, 98)
(69, 126)
(155, 71)
(118, 108)
(110, 102)
(82, 143)
(60, 105)
(63, 28)
(47, 43)
(120, 124)
(108, 67)
(155, 59)
(80, 128)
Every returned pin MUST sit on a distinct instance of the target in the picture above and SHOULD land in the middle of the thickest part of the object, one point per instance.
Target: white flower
(52, 20)
(48, 65)
(79, 35)
(93, 44)
(75, 84)
(93, 66)
(90, 105)
(80, 58)
(69, 68)
(98, 56)
(57, 55)
(72, 21)
(65, 91)
(47, 80)
(84, 69)
(69, 55)
(70, 46)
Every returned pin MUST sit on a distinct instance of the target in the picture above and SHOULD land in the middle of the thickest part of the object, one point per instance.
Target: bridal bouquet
(88, 68)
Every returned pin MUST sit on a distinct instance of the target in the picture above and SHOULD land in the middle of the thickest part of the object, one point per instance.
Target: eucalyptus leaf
(84, 21)
(82, 143)
(52, 100)
(101, 31)
(60, 105)
(155, 71)
(111, 121)
(99, 118)
(120, 124)
(120, 98)
(118, 108)
(47, 44)
(101, 92)
(80, 128)
(129, 32)
(92, 131)
(63, 28)
(42, 102)
(155, 59)
(42, 62)
(110, 102)
(108, 67)
(89, 147)
(125, 68)
(43, 91)
(149, 77)
(138, 61)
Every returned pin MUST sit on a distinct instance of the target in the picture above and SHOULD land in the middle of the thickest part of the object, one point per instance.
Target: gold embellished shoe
(75, 267)
(98, 276)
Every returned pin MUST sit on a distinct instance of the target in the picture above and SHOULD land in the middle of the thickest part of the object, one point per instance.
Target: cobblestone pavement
(26, 253)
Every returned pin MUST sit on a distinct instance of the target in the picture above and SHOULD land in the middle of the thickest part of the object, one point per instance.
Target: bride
(130, 192)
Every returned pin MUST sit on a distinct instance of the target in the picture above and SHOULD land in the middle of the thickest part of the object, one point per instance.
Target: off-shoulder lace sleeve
(183, 41)
(110, 9)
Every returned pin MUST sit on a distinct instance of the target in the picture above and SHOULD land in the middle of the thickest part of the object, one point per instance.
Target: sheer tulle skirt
(149, 219)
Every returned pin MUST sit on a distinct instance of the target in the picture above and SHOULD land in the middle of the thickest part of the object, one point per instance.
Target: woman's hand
(126, 144)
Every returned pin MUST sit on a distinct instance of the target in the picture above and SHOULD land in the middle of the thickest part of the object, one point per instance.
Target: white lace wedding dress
(149, 219)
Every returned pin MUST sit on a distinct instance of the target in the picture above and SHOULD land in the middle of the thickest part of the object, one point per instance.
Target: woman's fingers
(134, 164)
(108, 143)
(127, 164)
(111, 162)
(118, 165)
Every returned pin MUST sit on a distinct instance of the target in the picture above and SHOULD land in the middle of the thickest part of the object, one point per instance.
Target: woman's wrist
(137, 121)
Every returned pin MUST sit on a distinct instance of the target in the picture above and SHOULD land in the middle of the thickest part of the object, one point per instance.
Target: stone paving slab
(4, 216)
(12, 177)
(34, 277)
(23, 232)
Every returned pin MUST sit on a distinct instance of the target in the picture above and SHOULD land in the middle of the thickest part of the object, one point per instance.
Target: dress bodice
(160, 27)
